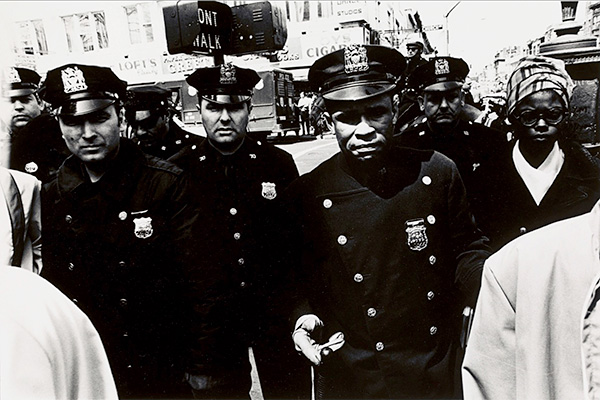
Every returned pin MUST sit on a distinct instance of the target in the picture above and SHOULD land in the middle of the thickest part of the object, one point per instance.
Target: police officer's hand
(305, 325)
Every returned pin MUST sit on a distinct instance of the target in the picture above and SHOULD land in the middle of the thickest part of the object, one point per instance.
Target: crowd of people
(173, 254)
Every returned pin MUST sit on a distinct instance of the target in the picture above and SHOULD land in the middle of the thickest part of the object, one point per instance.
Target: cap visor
(226, 98)
(442, 86)
(18, 92)
(358, 92)
(83, 107)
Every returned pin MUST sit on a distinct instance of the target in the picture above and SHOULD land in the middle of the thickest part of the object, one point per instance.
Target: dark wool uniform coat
(39, 148)
(384, 263)
(504, 208)
(235, 304)
(175, 140)
(116, 248)
(470, 145)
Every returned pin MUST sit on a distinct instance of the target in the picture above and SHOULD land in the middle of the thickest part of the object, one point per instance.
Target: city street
(309, 154)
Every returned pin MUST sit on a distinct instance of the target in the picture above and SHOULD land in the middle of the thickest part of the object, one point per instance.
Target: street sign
(429, 28)
(198, 26)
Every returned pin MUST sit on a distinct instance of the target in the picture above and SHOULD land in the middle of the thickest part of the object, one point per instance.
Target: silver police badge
(416, 234)
(12, 76)
(442, 67)
(73, 80)
(143, 227)
(227, 74)
(268, 190)
(355, 59)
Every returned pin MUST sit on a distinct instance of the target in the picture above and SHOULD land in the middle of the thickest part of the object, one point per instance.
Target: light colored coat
(49, 349)
(527, 340)
(20, 194)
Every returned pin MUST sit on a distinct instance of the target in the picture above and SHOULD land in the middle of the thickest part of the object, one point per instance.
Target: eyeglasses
(554, 116)
(147, 123)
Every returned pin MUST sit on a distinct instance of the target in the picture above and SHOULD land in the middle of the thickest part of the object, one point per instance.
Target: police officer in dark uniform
(441, 99)
(148, 114)
(382, 243)
(237, 183)
(37, 146)
(116, 230)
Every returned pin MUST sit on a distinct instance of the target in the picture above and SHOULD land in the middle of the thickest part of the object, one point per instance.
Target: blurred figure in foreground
(49, 349)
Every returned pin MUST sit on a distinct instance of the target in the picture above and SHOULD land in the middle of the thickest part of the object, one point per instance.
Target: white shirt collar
(538, 180)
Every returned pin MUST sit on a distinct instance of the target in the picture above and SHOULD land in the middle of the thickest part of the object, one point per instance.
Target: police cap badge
(76, 89)
(439, 74)
(224, 84)
(357, 72)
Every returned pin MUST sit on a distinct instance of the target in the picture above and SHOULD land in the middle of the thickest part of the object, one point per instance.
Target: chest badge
(268, 190)
(416, 234)
(143, 227)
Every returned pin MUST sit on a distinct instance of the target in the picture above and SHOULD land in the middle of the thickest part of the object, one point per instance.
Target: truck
(273, 109)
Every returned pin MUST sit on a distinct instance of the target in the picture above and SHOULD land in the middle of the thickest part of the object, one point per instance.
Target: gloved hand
(198, 382)
(305, 325)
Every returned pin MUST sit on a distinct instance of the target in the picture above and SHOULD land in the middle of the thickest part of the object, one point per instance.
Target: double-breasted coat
(116, 248)
(504, 208)
(470, 145)
(235, 302)
(385, 262)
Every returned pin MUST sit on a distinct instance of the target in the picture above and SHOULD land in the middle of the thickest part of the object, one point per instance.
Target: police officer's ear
(249, 103)
(421, 101)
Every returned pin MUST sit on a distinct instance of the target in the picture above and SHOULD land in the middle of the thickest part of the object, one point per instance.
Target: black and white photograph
(301, 200)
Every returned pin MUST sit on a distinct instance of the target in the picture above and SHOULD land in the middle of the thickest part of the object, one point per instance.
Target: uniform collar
(121, 174)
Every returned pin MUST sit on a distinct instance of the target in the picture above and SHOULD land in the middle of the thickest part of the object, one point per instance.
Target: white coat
(49, 349)
(531, 329)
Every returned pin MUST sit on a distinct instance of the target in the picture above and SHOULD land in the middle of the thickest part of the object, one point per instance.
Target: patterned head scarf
(537, 73)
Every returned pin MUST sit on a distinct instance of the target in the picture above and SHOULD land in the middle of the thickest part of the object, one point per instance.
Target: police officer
(237, 183)
(441, 99)
(116, 229)
(409, 105)
(380, 239)
(148, 114)
(36, 144)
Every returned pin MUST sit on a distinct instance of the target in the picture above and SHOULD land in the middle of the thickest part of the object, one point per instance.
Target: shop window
(86, 32)
(139, 21)
(30, 37)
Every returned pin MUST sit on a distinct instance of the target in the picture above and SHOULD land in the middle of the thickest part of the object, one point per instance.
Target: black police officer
(382, 242)
(153, 128)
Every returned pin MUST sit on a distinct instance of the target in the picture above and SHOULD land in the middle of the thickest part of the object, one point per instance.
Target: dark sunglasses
(146, 123)
(554, 116)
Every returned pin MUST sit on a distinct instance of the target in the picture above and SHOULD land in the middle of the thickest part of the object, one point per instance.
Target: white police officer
(237, 183)
(116, 230)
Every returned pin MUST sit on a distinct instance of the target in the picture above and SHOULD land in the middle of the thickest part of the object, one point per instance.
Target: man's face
(442, 108)
(94, 137)
(413, 51)
(363, 128)
(225, 124)
(541, 110)
(151, 130)
(18, 111)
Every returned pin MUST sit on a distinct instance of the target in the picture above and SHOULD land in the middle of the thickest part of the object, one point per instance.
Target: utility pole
(447, 28)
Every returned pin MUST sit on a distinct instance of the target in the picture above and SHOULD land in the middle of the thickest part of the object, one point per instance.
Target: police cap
(224, 84)
(439, 74)
(18, 82)
(356, 72)
(143, 101)
(76, 89)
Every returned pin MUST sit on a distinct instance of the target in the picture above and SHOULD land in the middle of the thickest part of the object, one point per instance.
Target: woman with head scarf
(536, 326)
(545, 176)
